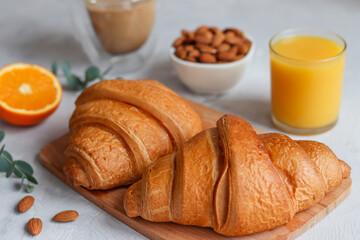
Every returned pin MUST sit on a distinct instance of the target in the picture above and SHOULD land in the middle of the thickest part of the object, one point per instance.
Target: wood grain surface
(52, 157)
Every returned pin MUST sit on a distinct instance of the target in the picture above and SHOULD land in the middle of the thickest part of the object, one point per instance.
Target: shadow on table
(255, 111)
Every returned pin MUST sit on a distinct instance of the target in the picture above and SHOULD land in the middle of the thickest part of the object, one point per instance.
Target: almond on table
(66, 216)
(212, 45)
(35, 226)
(25, 204)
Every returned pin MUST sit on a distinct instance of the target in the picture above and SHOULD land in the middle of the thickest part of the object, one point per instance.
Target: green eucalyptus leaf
(20, 168)
(6, 155)
(2, 135)
(75, 82)
(102, 76)
(23, 167)
(2, 149)
(66, 67)
(22, 180)
(54, 67)
(4, 165)
(10, 170)
(29, 188)
(91, 73)
(30, 178)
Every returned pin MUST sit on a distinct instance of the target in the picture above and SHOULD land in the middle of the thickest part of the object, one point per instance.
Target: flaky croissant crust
(230, 179)
(121, 126)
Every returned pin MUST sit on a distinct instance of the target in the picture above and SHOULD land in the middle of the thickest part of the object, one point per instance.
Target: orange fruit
(28, 93)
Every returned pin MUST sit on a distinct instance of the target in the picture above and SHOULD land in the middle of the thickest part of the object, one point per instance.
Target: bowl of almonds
(210, 60)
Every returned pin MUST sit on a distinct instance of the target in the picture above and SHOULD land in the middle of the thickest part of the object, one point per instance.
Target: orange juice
(306, 81)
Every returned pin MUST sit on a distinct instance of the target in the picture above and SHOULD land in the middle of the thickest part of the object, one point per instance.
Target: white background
(38, 31)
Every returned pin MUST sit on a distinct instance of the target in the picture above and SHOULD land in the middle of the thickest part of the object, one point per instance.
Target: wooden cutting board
(52, 157)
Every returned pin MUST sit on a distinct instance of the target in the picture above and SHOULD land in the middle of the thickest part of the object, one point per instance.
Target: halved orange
(28, 93)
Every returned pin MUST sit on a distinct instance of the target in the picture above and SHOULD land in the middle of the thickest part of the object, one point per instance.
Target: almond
(180, 48)
(180, 52)
(206, 48)
(207, 58)
(243, 49)
(66, 216)
(215, 30)
(34, 225)
(238, 57)
(179, 41)
(191, 59)
(218, 39)
(237, 41)
(190, 37)
(201, 29)
(229, 55)
(212, 45)
(194, 53)
(226, 56)
(189, 48)
(247, 42)
(230, 37)
(236, 31)
(224, 47)
(234, 49)
(25, 204)
(204, 37)
(184, 32)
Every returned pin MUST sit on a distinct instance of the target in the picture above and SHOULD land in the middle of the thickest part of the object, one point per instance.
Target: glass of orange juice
(307, 69)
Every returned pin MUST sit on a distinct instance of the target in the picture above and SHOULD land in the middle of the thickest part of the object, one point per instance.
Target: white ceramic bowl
(214, 78)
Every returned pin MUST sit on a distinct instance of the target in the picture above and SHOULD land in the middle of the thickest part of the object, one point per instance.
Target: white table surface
(38, 31)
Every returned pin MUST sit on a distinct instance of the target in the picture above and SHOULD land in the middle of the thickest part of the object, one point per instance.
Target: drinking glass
(306, 86)
(116, 33)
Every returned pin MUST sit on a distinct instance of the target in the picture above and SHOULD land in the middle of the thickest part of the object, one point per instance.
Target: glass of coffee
(115, 33)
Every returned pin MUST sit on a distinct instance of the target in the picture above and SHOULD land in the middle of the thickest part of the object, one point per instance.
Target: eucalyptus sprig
(74, 81)
(20, 168)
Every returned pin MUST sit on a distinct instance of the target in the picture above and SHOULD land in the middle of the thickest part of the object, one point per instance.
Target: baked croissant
(121, 126)
(230, 179)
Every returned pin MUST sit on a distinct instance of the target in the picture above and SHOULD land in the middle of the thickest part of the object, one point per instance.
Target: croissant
(234, 181)
(121, 126)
